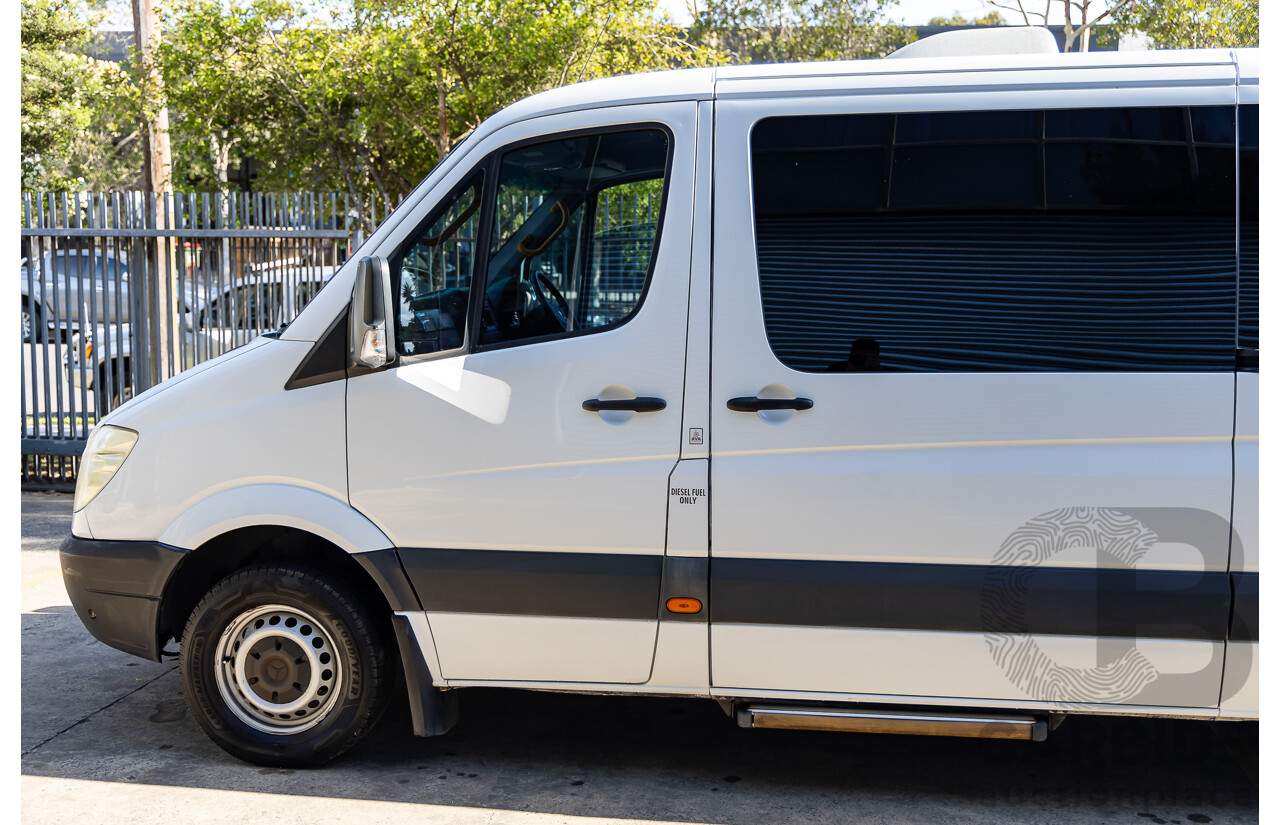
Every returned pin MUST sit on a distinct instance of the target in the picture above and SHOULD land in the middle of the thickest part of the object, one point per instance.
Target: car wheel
(31, 319)
(281, 667)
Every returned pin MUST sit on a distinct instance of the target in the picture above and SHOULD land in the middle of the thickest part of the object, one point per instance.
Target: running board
(941, 723)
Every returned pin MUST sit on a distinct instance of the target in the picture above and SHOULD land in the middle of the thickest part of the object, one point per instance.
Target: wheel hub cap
(278, 669)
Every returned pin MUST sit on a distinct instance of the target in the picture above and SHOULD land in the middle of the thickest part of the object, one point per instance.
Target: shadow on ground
(684, 760)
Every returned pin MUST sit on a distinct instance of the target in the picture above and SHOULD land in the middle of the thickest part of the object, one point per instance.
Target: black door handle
(641, 404)
(750, 403)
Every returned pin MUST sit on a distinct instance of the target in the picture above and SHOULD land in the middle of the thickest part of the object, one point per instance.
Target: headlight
(107, 449)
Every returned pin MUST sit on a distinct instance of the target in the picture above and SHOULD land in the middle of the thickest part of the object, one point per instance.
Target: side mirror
(371, 343)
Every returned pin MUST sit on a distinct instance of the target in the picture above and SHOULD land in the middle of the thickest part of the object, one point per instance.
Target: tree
(784, 31)
(370, 96)
(1080, 17)
(106, 151)
(215, 83)
(453, 64)
(77, 127)
(992, 19)
(1192, 24)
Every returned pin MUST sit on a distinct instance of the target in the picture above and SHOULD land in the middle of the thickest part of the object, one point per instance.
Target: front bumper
(115, 588)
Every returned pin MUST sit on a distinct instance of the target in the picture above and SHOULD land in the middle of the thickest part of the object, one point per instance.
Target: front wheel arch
(203, 567)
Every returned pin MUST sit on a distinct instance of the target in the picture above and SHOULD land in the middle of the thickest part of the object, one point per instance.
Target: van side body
(913, 394)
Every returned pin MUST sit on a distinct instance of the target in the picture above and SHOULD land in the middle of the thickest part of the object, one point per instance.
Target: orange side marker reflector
(682, 604)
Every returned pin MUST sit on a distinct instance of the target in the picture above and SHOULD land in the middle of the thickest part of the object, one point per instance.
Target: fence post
(139, 326)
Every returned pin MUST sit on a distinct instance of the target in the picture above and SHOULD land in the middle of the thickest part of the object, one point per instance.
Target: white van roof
(801, 78)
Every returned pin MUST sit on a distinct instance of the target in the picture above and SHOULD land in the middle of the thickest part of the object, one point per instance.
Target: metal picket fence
(123, 290)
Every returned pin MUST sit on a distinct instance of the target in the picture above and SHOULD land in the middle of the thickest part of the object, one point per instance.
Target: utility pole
(160, 286)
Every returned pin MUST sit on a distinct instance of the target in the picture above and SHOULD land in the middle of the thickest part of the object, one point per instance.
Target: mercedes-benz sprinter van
(909, 395)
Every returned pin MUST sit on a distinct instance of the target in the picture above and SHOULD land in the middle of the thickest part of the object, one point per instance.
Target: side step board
(939, 723)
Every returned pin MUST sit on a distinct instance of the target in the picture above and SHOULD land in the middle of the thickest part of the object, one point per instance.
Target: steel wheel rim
(28, 327)
(278, 670)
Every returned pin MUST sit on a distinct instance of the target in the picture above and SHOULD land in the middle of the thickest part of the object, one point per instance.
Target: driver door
(548, 277)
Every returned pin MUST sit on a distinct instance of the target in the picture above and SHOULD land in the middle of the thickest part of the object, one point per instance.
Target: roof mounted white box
(970, 42)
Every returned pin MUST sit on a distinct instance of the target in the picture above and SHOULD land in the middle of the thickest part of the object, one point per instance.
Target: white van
(908, 395)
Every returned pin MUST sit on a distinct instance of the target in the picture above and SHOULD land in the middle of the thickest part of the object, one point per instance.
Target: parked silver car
(65, 280)
(270, 295)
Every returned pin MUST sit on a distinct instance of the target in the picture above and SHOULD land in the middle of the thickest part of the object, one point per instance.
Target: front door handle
(751, 403)
(641, 404)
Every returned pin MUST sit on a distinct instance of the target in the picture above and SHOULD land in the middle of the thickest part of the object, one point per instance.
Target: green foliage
(370, 98)
(368, 95)
(75, 110)
(992, 19)
(1192, 24)
(216, 85)
(784, 31)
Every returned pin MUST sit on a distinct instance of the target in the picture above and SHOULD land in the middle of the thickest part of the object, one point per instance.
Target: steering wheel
(550, 298)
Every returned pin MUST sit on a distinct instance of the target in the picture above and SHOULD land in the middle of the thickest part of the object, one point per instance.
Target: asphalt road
(107, 738)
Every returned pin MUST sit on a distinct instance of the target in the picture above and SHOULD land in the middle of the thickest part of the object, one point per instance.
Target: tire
(321, 678)
(31, 320)
(120, 392)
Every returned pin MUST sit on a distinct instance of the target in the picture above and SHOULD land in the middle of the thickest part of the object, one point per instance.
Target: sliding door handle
(750, 403)
(641, 404)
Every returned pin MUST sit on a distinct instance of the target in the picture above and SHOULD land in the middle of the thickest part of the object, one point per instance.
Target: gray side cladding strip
(1244, 607)
(383, 566)
(903, 596)
(685, 578)
(579, 585)
(1128, 603)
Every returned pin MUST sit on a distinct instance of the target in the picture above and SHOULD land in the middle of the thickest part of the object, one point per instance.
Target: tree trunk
(146, 30)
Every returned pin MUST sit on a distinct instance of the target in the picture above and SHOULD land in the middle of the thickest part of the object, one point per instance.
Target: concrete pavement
(106, 738)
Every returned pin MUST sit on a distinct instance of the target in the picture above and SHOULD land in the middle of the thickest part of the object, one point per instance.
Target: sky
(913, 12)
(918, 12)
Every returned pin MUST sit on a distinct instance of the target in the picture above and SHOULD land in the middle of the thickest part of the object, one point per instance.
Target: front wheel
(280, 667)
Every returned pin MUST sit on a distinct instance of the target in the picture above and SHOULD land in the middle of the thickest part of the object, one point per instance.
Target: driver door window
(575, 224)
